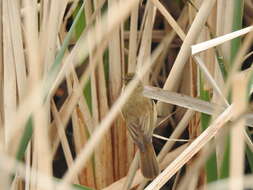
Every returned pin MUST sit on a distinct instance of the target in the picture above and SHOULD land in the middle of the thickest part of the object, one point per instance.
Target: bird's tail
(148, 163)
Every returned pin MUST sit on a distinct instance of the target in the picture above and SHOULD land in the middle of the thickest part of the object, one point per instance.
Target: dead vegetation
(62, 64)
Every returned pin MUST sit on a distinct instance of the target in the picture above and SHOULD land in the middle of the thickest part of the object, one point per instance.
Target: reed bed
(62, 64)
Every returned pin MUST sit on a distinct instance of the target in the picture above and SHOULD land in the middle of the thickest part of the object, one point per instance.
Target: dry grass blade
(219, 40)
(192, 149)
(132, 57)
(237, 132)
(181, 100)
(169, 139)
(188, 102)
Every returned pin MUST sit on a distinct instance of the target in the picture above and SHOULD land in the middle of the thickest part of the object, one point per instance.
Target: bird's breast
(136, 107)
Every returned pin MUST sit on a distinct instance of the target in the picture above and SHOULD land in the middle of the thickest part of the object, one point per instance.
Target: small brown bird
(140, 115)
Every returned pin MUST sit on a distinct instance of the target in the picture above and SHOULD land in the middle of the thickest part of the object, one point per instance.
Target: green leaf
(249, 155)
(237, 24)
(226, 159)
(80, 187)
(80, 23)
(75, 186)
(211, 164)
(211, 168)
(27, 135)
(87, 95)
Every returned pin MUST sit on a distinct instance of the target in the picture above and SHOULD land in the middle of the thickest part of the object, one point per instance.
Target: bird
(140, 115)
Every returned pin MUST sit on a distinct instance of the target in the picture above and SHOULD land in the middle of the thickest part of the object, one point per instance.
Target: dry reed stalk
(184, 53)
(86, 176)
(120, 141)
(225, 12)
(131, 172)
(17, 44)
(34, 68)
(50, 25)
(98, 157)
(145, 46)
(237, 132)
(106, 151)
(31, 36)
(1, 71)
(133, 36)
(9, 83)
(44, 154)
(192, 149)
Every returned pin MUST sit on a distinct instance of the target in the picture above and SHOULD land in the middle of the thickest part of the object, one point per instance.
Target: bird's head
(128, 77)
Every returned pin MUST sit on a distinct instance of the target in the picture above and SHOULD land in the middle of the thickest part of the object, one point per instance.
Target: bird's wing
(141, 130)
